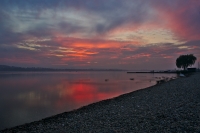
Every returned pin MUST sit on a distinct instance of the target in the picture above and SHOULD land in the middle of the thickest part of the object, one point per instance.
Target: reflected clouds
(26, 97)
(30, 96)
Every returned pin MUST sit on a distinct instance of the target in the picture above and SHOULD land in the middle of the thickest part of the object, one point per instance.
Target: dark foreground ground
(173, 106)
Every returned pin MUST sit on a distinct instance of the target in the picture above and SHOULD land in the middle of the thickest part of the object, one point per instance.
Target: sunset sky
(117, 34)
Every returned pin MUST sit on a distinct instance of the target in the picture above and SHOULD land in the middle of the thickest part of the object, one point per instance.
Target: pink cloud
(181, 16)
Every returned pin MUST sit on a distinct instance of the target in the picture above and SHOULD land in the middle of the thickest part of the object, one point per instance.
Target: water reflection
(26, 97)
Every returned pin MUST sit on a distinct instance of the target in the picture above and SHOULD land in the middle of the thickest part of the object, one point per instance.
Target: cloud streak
(128, 34)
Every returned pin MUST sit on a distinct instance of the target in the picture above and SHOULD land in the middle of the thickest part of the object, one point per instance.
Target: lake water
(31, 96)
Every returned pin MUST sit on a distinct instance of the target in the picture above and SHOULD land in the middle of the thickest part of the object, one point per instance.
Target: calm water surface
(27, 96)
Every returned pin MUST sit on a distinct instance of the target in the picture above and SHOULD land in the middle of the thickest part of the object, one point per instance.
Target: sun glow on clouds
(145, 36)
(94, 34)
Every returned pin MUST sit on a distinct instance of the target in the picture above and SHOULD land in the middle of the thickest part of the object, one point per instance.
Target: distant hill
(14, 68)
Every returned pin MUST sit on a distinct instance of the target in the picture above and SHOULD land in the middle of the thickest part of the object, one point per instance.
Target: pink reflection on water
(89, 93)
(74, 94)
(26, 97)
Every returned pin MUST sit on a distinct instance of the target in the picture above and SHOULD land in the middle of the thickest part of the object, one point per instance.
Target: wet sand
(172, 106)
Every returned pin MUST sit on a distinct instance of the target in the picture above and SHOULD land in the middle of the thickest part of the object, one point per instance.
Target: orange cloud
(89, 43)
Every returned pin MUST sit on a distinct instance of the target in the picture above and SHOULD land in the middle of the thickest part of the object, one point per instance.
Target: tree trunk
(184, 68)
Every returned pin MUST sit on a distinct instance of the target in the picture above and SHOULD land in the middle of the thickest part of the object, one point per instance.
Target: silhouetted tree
(184, 61)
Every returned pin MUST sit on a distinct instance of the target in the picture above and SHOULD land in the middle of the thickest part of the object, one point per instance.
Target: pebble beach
(172, 106)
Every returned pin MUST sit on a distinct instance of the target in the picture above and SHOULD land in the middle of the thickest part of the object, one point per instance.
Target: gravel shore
(172, 106)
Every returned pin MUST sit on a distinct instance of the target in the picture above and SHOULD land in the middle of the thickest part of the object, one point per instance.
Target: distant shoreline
(152, 72)
(5, 68)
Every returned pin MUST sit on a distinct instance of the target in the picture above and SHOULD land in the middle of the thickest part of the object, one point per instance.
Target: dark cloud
(114, 12)
(35, 30)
